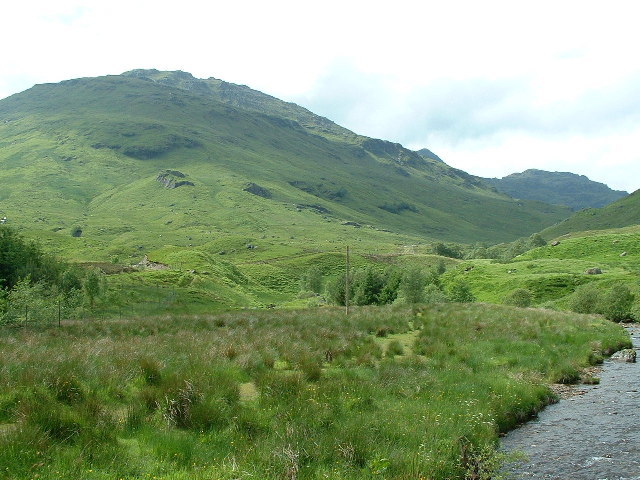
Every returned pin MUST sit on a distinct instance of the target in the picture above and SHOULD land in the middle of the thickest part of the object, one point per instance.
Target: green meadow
(386, 392)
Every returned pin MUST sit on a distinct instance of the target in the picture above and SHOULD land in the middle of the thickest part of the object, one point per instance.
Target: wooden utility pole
(346, 285)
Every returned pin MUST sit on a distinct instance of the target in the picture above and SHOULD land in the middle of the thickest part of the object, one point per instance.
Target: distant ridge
(622, 213)
(560, 188)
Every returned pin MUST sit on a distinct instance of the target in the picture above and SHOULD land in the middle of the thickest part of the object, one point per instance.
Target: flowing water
(594, 436)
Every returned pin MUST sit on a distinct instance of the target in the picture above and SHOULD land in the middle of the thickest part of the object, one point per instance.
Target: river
(594, 435)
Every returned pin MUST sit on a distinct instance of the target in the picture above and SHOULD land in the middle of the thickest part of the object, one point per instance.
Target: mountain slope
(95, 156)
(625, 212)
(560, 188)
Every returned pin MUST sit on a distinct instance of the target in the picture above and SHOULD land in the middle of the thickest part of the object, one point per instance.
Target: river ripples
(594, 436)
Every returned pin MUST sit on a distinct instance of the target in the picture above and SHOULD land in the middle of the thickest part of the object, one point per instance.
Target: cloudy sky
(492, 87)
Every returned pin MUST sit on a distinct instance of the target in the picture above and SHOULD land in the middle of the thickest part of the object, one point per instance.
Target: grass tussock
(167, 396)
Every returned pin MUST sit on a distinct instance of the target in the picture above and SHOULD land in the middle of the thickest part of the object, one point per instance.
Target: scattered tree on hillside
(615, 303)
(311, 280)
(412, 286)
(520, 297)
(460, 291)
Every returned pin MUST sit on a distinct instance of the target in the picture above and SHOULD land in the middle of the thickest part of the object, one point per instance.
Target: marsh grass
(162, 396)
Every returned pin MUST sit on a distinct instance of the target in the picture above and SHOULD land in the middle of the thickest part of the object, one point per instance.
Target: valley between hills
(175, 248)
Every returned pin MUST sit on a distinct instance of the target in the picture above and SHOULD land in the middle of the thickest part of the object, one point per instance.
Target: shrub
(67, 389)
(311, 368)
(616, 303)
(460, 292)
(311, 280)
(585, 299)
(394, 348)
(150, 371)
(433, 294)
(520, 297)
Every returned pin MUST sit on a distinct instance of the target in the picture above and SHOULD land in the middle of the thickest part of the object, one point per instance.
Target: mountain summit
(148, 158)
(560, 188)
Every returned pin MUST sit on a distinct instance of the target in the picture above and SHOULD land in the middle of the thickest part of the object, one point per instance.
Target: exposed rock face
(555, 243)
(169, 178)
(147, 264)
(257, 190)
(627, 355)
(593, 271)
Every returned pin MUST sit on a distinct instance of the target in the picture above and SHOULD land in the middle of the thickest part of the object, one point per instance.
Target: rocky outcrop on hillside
(170, 179)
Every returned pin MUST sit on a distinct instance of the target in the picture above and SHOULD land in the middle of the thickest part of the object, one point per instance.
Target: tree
(460, 292)
(412, 287)
(20, 259)
(92, 285)
(392, 281)
(311, 280)
(335, 290)
(367, 287)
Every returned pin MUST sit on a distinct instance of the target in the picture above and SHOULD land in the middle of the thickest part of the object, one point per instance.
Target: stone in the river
(626, 355)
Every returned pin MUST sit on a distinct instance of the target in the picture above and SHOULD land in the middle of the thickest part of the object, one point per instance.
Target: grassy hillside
(552, 273)
(560, 188)
(623, 213)
(93, 158)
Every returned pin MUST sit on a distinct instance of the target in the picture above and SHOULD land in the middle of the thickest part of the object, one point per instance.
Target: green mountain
(625, 212)
(119, 165)
(559, 188)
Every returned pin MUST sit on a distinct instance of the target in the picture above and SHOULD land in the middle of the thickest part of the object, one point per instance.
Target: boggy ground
(590, 436)
(295, 394)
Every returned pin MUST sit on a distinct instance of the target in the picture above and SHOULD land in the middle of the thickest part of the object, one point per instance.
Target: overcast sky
(492, 87)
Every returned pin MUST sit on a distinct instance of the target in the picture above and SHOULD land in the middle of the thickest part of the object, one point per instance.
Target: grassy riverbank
(383, 393)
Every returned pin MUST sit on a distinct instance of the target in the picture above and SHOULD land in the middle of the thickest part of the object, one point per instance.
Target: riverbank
(594, 434)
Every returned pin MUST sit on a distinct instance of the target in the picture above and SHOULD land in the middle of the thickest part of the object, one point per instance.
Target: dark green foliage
(412, 286)
(520, 297)
(151, 371)
(434, 294)
(394, 348)
(311, 280)
(20, 259)
(448, 250)
(459, 291)
(92, 284)
(336, 290)
(615, 304)
(399, 207)
(392, 281)
(367, 286)
(585, 299)
(441, 267)
(67, 389)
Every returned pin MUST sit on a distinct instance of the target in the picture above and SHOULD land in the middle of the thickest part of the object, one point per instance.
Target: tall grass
(163, 396)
